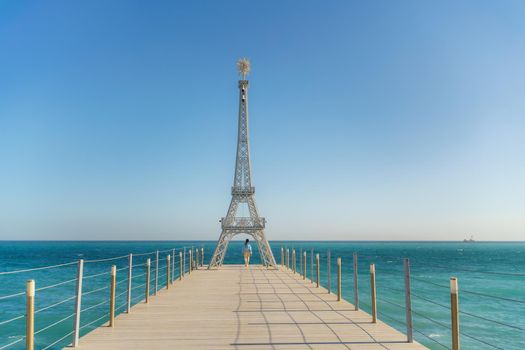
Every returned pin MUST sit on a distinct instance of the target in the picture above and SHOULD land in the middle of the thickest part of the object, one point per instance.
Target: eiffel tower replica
(243, 193)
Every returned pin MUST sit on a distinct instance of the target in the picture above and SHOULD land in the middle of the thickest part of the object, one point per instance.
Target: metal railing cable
(143, 254)
(121, 281)
(138, 297)
(86, 261)
(166, 250)
(428, 282)
(94, 291)
(430, 301)
(121, 307)
(494, 296)
(12, 295)
(94, 306)
(138, 286)
(515, 274)
(480, 340)
(54, 324)
(38, 268)
(137, 276)
(58, 340)
(55, 304)
(448, 268)
(121, 294)
(380, 257)
(393, 289)
(105, 259)
(391, 302)
(96, 275)
(55, 285)
(12, 343)
(491, 320)
(431, 319)
(93, 321)
(138, 265)
(472, 292)
(12, 319)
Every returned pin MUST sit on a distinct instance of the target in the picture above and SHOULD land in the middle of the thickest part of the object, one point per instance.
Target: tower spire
(243, 193)
(243, 66)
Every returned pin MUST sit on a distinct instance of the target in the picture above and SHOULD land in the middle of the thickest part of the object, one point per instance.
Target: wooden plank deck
(245, 308)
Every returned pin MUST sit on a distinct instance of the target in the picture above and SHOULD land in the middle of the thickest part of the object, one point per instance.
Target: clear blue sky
(369, 119)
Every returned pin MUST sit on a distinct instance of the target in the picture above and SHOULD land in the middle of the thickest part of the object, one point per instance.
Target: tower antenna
(243, 66)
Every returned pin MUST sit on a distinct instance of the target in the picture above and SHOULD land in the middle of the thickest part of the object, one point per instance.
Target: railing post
(156, 273)
(191, 261)
(408, 301)
(312, 265)
(112, 288)
(304, 265)
(356, 284)
(172, 266)
(285, 256)
(288, 258)
(148, 276)
(180, 266)
(202, 256)
(184, 262)
(168, 267)
(130, 261)
(30, 315)
(293, 260)
(338, 279)
(318, 268)
(454, 311)
(373, 292)
(78, 302)
(328, 271)
(301, 261)
(197, 258)
(282, 256)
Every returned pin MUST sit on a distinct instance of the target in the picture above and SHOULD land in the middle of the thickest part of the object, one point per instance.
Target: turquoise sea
(491, 281)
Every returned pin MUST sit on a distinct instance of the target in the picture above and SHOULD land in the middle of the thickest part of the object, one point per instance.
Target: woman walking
(247, 252)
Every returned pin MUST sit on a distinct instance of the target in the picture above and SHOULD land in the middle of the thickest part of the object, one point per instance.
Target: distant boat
(470, 240)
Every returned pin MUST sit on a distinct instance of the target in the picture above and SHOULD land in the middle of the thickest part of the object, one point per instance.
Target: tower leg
(222, 245)
(267, 258)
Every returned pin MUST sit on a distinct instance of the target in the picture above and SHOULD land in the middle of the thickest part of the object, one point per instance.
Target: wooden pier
(245, 308)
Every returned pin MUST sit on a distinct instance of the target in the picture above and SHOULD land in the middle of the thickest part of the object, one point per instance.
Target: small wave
(434, 335)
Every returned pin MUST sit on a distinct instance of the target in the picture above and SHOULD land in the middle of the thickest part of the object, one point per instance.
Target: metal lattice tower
(243, 193)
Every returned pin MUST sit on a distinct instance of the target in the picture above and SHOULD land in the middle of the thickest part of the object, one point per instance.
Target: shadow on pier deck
(246, 308)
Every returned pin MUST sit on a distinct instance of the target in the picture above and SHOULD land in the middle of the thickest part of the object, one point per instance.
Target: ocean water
(491, 282)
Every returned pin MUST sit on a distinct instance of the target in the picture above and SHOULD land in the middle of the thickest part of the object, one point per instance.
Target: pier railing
(405, 293)
(95, 292)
